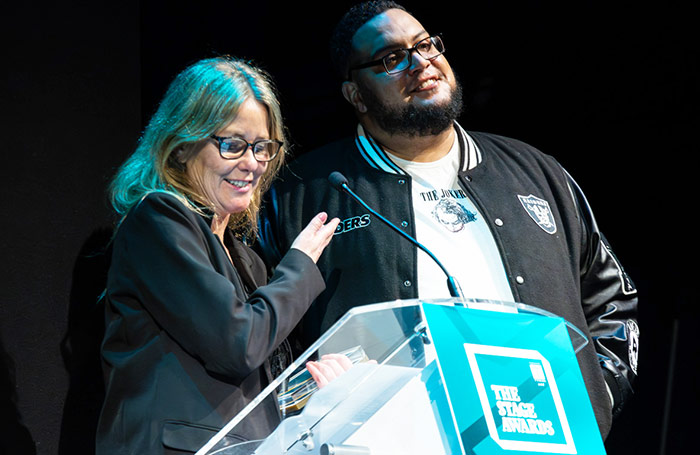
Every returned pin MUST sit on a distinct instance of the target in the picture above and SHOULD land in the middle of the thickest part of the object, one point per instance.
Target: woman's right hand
(314, 238)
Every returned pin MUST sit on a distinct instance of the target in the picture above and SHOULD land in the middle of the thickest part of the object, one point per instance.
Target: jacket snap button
(402, 181)
(498, 221)
(407, 283)
(519, 279)
(404, 223)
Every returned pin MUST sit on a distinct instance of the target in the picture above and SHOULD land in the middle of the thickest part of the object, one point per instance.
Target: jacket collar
(374, 154)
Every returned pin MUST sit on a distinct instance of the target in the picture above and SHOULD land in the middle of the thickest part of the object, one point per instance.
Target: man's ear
(352, 94)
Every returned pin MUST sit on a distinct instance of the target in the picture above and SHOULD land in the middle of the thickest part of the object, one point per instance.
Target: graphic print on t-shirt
(451, 214)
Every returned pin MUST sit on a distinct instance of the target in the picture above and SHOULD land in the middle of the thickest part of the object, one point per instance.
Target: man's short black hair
(356, 17)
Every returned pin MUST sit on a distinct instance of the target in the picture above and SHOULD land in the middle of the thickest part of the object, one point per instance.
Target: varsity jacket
(554, 256)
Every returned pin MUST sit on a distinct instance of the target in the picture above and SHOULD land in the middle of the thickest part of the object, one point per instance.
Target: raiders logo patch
(539, 211)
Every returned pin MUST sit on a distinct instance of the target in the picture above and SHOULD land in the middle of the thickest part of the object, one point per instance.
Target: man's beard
(413, 120)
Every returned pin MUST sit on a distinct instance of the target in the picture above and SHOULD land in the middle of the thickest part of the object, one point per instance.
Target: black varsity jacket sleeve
(609, 300)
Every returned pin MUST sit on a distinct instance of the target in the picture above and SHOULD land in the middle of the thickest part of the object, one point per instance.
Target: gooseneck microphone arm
(340, 183)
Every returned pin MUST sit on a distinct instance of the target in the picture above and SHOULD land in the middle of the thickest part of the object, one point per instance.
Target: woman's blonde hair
(201, 100)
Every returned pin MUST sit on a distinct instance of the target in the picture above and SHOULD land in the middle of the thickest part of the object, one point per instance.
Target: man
(505, 219)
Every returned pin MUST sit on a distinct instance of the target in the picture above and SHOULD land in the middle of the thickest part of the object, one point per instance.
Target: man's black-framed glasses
(399, 60)
(233, 147)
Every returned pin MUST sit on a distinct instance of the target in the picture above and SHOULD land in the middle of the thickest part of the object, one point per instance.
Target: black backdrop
(610, 90)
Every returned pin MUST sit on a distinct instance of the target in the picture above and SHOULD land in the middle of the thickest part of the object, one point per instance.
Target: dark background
(609, 89)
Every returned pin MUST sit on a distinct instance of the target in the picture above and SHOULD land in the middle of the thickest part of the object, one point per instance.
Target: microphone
(340, 183)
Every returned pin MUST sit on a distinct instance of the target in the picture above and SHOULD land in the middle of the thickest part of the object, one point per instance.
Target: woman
(190, 320)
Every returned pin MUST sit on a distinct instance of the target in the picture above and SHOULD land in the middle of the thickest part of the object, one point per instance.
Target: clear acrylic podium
(396, 405)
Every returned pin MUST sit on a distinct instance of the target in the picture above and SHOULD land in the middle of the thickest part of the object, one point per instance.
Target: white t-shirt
(451, 227)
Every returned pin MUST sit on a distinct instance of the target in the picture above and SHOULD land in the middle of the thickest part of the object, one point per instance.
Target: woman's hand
(328, 368)
(316, 236)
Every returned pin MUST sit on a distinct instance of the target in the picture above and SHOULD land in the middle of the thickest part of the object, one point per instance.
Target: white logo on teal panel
(520, 399)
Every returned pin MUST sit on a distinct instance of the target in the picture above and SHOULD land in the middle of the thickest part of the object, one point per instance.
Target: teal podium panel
(512, 381)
